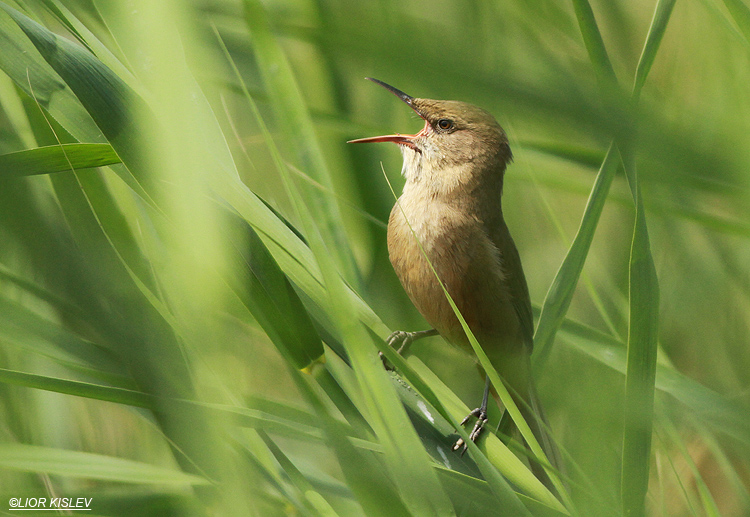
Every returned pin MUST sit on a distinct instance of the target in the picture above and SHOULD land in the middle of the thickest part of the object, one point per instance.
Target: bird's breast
(464, 258)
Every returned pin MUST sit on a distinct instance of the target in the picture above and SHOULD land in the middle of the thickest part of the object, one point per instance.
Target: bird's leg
(406, 339)
(481, 414)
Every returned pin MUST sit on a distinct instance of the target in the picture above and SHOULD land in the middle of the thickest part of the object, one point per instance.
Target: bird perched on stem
(450, 213)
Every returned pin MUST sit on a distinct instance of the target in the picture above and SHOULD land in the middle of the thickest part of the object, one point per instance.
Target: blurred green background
(161, 291)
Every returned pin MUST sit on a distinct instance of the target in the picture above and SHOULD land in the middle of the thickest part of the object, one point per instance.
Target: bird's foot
(400, 340)
(481, 415)
(404, 340)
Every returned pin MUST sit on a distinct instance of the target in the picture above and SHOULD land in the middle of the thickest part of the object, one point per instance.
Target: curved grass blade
(270, 416)
(293, 115)
(724, 415)
(369, 480)
(23, 64)
(312, 498)
(112, 105)
(495, 456)
(64, 306)
(728, 468)
(268, 295)
(18, 324)
(265, 468)
(288, 248)
(96, 46)
(56, 158)
(709, 504)
(67, 463)
(560, 293)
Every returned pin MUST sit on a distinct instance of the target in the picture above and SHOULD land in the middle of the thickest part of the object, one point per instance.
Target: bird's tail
(533, 414)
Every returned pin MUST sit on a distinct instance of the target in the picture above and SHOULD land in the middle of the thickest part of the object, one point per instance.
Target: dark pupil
(444, 123)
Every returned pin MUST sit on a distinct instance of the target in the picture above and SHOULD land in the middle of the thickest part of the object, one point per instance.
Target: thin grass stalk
(707, 500)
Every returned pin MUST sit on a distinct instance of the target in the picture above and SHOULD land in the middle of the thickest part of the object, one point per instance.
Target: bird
(450, 212)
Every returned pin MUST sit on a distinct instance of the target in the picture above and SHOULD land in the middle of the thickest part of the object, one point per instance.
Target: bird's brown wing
(515, 281)
(520, 293)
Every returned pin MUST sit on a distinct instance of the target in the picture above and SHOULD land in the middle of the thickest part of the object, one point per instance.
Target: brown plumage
(451, 203)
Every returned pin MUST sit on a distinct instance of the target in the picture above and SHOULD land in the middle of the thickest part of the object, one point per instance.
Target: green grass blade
(592, 38)
(288, 249)
(653, 40)
(314, 500)
(741, 14)
(724, 415)
(50, 159)
(64, 306)
(407, 461)
(113, 106)
(269, 416)
(496, 458)
(560, 293)
(643, 328)
(495, 455)
(641, 360)
(94, 44)
(293, 115)
(67, 463)
(266, 292)
(709, 504)
(35, 333)
(471, 493)
(366, 476)
(27, 68)
(728, 468)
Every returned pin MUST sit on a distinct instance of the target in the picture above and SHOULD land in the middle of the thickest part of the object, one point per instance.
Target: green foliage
(193, 279)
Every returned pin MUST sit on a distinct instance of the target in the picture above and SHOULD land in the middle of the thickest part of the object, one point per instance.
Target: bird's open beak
(407, 140)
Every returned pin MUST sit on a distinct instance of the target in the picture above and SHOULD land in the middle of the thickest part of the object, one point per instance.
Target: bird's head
(456, 135)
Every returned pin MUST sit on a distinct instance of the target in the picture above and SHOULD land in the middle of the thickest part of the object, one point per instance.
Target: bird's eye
(445, 124)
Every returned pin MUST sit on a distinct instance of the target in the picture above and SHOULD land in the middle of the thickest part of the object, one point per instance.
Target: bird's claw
(399, 336)
(406, 339)
(481, 416)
